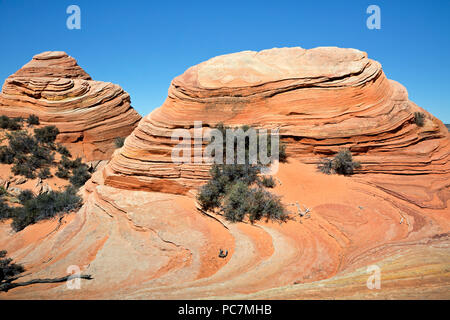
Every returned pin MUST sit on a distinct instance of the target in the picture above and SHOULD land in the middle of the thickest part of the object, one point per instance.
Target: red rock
(89, 114)
(140, 238)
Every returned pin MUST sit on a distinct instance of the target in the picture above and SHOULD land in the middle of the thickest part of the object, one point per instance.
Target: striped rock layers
(321, 100)
(89, 114)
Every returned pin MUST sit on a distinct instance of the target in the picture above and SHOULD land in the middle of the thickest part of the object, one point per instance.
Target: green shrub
(119, 141)
(8, 269)
(5, 210)
(6, 155)
(342, 163)
(10, 123)
(282, 156)
(44, 173)
(25, 196)
(62, 172)
(268, 182)
(63, 151)
(23, 169)
(21, 142)
(46, 134)
(419, 118)
(257, 203)
(33, 120)
(79, 176)
(45, 206)
(229, 190)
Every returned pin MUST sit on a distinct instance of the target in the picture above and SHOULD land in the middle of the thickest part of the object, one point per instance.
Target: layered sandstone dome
(140, 238)
(321, 100)
(89, 114)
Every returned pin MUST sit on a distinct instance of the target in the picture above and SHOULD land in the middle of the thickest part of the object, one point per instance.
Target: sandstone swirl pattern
(140, 235)
(89, 114)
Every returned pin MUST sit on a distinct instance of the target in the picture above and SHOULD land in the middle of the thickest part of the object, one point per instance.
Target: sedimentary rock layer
(139, 238)
(89, 114)
(321, 100)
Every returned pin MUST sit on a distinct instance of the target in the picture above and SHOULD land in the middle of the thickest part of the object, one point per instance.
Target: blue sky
(143, 45)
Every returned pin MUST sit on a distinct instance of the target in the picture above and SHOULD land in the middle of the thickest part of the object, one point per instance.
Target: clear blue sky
(142, 45)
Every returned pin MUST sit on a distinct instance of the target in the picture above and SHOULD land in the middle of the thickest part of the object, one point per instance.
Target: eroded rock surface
(89, 114)
(141, 236)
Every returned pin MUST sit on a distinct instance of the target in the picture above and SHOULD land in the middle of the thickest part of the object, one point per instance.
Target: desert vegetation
(342, 163)
(33, 156)
(237, 190)
(419, 118)
(119, 141)
(10, 272)
(8, 269)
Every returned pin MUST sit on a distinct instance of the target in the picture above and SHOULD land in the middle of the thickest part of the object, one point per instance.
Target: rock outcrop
(321, 100)
(89, 114)
(140, 234)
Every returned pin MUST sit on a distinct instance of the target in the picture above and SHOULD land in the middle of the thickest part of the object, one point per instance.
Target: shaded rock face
(321, 99)
(89, 114)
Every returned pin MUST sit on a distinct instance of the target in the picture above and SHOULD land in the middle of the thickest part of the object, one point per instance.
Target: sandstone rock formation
(140, 234)
(89, 114)
(321, 99)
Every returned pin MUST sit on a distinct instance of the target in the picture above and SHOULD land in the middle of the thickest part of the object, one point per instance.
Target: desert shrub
(46, 134)
(10, 123)
(62, 172)
(419, 118)
(8, 269)
(257, 203)
(63, 151)
(325, 166)
(79, 176)
(44, 173)
(71, 164)
(6, 155)
(281, 152)
(23, 169)
(119, 141)
(41, 156)
(268, 182)
(21, 142)
(5, 210)
(229, 190)
(230, 187)
(25, 195)
(45, 206)
(33, 120)
(342, 163)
